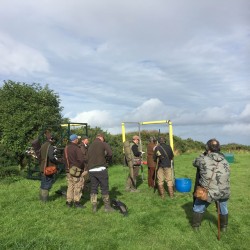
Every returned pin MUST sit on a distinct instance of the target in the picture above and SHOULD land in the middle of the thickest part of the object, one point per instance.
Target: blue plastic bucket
(183, 185)
(229, 158)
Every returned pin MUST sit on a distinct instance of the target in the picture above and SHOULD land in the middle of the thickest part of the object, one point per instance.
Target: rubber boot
(197, 217)
(171, 191)
(93, 200)
(223, 222)
(69, 203)
(161, 191)
(44, 195)
(128, 185)
(78, 205)
(106, 201)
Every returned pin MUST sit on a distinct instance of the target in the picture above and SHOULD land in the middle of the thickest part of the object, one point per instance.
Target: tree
(25, 109)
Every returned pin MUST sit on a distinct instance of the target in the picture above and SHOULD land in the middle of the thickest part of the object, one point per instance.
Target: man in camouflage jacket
(217, 183)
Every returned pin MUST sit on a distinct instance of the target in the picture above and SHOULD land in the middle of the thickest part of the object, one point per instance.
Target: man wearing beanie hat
(73, 157)
(98, 153)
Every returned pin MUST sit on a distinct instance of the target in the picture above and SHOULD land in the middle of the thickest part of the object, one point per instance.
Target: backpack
(118, 205)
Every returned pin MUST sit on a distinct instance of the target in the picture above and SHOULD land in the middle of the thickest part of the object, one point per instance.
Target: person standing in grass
(163, 153)
(99, 153)
(136, 156)
(48, 158)
(73, 157)
(150, 161)
(214, 174)
(84, 148)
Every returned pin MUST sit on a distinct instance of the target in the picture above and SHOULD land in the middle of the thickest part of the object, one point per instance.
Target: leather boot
(107, 207)
(69, 204)
(161, 191)
(197, 217)
(44, 195)
(223, 222)
(93, 200)
(171, 191)
(78, 205)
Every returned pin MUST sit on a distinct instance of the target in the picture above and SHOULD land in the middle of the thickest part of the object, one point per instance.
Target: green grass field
(152, 223)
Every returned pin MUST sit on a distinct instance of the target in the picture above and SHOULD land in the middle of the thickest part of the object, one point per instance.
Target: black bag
(118, 205)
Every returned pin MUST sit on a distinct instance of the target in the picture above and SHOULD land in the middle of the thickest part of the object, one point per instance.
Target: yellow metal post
(123, 132)
(171, 139)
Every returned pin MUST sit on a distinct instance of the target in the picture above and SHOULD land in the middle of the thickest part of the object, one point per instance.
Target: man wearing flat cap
(131, 180)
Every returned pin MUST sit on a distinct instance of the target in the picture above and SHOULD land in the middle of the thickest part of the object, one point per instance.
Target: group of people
(159, 159)
(82, 162)
(213, 172)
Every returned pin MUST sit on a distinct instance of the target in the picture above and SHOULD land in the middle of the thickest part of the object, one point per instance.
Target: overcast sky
(111, 61)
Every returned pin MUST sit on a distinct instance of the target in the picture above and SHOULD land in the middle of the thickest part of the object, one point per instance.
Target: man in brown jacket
(150, 161)
(73, 157)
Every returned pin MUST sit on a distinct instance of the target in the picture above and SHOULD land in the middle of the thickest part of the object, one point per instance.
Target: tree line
(28, 109)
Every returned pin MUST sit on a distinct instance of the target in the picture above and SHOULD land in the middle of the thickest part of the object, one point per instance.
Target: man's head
(74, 138)
(85, 140)
(213, 145)
(136, 139)
(161, 140)
(152, 139)
(101, 137)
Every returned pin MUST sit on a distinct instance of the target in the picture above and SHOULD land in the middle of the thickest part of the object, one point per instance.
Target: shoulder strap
(66, 156)
(164, 151)
(46, 158)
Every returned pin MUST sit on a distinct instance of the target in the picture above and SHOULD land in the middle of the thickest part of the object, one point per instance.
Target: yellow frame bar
(171, 140)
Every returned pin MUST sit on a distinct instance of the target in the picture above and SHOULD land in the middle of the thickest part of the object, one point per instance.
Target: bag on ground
(118, 205)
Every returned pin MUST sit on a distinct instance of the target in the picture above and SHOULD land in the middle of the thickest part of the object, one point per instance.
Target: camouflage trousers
(165, 174)
(75, 187)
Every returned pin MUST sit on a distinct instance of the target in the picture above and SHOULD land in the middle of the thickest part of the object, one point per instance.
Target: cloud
(96, 118)
(17, 58)
(116, 61)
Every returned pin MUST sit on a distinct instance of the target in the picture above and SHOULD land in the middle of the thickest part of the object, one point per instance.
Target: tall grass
(152, 223)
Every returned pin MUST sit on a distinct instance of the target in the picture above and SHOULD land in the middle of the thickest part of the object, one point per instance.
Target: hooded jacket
(219, 187)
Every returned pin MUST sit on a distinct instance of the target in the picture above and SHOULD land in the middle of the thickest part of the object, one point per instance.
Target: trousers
(200, 206)
(165, 174)
(99, 178)
(75, 187)
(47, 182)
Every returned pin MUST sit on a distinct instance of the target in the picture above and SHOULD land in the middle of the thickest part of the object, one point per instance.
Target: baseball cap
(73, 137)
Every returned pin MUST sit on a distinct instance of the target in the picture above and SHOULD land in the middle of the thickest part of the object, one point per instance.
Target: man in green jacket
(48, 158)
(98, 154)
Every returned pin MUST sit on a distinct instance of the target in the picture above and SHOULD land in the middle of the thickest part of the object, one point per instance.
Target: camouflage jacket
(219, 187)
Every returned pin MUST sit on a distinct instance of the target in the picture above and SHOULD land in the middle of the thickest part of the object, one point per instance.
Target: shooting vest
(130, 158)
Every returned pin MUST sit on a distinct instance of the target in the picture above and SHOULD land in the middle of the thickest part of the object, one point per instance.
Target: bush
(9, 171)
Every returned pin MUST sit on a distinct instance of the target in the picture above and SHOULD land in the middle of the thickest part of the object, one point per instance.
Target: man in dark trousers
(98, 153)
(48, 158)
(163, 153)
